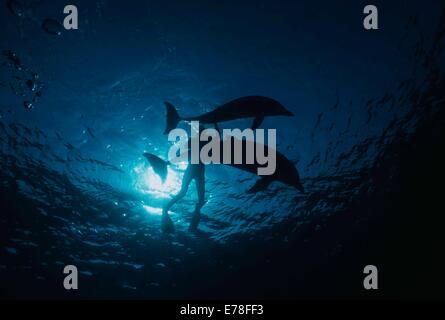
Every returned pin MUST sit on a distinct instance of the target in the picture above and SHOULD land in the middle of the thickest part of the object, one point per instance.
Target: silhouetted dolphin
(285, 170)
(256, 107)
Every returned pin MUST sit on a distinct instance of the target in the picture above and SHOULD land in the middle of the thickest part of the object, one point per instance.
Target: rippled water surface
(79, 108)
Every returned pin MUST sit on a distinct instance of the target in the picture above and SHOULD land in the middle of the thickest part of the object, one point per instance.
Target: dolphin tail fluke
(260, 185)
(173, 117)
(159, 166)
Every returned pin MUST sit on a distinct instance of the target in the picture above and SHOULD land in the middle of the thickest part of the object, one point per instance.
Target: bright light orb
(148, 182)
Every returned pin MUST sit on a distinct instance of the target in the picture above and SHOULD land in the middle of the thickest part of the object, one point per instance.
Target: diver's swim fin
(260, 185)
(159, 165)
(167, 225)
(173, 117)
(195, 222)
(257, 122)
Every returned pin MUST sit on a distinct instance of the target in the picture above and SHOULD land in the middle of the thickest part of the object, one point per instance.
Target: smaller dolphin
(285, 171)
(256, 107)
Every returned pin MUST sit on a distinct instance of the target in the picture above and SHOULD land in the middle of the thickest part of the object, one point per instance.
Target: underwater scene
(360, 127)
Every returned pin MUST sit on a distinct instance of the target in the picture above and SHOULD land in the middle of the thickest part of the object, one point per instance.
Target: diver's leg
(186, 179)
(177, 197)
(200, 189)
(167, 223)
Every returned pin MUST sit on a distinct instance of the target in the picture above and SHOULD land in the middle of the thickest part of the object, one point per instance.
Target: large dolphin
(256, 107)
(285, 170)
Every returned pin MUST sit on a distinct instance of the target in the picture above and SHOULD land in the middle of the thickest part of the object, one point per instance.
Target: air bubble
(28, 105)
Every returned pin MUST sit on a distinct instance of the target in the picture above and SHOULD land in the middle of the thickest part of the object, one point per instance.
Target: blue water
(78, 110)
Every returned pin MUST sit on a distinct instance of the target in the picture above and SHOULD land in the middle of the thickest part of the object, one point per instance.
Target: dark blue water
(77, 110)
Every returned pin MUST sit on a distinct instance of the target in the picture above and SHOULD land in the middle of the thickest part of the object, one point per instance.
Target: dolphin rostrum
(256, 107)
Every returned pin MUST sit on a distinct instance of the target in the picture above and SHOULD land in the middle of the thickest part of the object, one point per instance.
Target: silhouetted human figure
(193, 172)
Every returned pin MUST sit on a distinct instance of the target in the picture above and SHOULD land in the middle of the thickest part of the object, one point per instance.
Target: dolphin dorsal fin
(257, 122)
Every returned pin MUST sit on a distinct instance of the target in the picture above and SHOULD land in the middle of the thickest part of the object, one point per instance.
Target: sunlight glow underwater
(149, 183)
(152, 210)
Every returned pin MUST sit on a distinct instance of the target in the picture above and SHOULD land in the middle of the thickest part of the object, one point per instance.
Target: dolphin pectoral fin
(260, 185)
(257, 122)
(217, 127)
